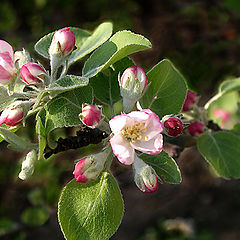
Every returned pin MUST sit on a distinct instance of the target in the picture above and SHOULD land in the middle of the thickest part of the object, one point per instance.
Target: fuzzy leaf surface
(90, 211)
(120, 45)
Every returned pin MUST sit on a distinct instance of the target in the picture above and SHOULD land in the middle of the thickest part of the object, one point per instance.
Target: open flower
(138, 130)
(8, 72)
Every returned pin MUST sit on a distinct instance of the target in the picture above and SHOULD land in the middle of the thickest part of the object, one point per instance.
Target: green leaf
(35, 216)
(167, 91)
(67, 83)
(225, 87)
(16, 142)
(222, 151)
(5, 99)
(164, 166)
(120, 45)
(90, 211)
(106, 87)
(63, 110)
(85, 42)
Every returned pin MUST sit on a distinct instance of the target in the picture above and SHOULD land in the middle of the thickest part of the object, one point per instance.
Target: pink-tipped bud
(8, 72)
(90, 115)
(174, 126)
(13, 114)
(89, 168)
(223, 114)
(63, 42)
(132, 84)
(145, 176)
(196, 128)
(32, 73)
(189, 101)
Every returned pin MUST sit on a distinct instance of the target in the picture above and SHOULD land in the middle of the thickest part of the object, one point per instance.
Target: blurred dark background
(202, 39)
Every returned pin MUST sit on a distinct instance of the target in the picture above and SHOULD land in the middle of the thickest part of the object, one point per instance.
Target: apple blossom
(32, 73)
(8, 71)
(90, 115)
(189, 101)
(132, 84)
(138, 130)
(174, 126)
(195, 128)
(145, 176)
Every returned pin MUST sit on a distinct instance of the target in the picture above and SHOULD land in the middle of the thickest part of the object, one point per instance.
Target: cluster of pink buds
(190, 100)
(174, 126)
(90, 115)
(8, 71)
(14, 113)
(196, 128)
(145, 176)
(63, 43)
(132, 84)
(88, 168)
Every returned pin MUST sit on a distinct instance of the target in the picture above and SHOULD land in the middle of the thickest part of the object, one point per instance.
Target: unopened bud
(90, 115)
(14, 113)
(89, 168)
(28, 165)
(32, 73)
(189, 101)
(8, 72)
(63, 42)
(196, 128)
(22, 57)
(145, 176)
(174, 126)
(132, 84)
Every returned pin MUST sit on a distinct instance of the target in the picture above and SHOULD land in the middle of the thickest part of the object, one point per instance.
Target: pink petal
(5, 76)
(122, 149)
(153, 146)
(118, 123)
(6, 47)
(7, 62)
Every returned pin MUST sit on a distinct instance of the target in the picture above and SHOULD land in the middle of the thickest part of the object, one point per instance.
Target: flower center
(134, 132)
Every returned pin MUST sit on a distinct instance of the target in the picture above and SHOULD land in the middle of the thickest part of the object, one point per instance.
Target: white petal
(118, 122)
(122, 149)
(153, 146)
(139, 116)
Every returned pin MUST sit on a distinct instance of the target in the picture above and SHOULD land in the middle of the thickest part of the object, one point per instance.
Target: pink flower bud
(63, 42)
(189, 101)
(89, 168)
(8, 72)
(32, 73)
(221, 113)
(12, 115)
(132, 84)
(145, 176)
(90, 115)
(174, 126)
(195, 128)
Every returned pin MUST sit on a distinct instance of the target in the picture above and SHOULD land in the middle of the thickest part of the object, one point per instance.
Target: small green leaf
(106, 87)
(85, 42)
(35, 216)
(164, 166)
(167, 91)
(225, 87)
(120, 45)
(67, 83)
(16, 142)
(90, 211)
(222, 151)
